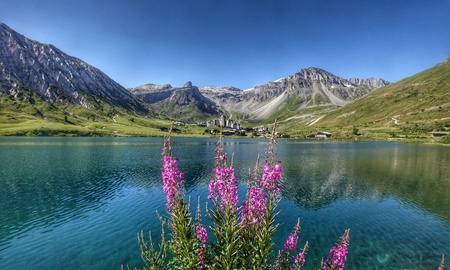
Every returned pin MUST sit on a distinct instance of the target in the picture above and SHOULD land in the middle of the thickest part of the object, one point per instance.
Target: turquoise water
(78, 203)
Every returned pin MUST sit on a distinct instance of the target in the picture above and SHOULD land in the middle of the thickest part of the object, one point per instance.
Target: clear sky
(239, 43)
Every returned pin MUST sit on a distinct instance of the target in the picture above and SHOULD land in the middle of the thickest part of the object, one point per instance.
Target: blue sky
(239, 43)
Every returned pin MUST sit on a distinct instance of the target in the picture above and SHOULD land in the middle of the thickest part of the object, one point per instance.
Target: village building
(320, 134)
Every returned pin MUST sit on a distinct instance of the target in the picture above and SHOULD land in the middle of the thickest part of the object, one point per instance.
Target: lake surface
(78, 203)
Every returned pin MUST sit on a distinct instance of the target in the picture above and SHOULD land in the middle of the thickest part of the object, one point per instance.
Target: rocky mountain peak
(313, 74)
(309, 87)
(46, 70)
(320, 75)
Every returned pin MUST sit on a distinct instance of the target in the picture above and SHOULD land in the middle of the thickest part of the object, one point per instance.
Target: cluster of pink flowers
(299, 260)
(291, 242)
(202, 237)
(338, 254)
(284, 259)
(172, 180)
(201, 233)
(271, 177)
(254, 207)
(223, 188)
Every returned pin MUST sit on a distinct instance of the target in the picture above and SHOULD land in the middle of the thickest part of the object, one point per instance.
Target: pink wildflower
(299, 259)
(202, 237)
(338, 254)
(254, 206)
(271, 177)
(291, 241)
(201, 233)
(223, 189)
(172, 180)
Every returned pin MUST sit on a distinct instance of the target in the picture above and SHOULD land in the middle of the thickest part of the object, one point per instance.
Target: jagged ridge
(55, 76)
(308, 88)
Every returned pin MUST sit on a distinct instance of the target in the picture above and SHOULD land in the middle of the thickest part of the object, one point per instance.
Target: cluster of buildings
(233, 127)
(221, 122)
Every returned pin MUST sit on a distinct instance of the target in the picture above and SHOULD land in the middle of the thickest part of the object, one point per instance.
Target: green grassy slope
(412, 108)
(29, 114)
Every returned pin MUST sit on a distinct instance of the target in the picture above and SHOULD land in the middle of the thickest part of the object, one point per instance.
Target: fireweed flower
(223, 188)
(291, 241)
(299, 259)
(202, 238)
(172, 180)
(223, 192)
(338, 254)
(254, 207)
(201, 235)
(284, 259)
(271, 177)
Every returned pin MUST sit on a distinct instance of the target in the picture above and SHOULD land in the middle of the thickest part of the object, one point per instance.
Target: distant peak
(315, 74)
(188, 84)
(314, 70)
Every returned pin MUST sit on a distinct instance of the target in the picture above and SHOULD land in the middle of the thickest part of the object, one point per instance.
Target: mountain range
(311, 87)
(41, 87)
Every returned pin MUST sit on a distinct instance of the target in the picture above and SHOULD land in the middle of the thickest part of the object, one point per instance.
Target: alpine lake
(79, 203)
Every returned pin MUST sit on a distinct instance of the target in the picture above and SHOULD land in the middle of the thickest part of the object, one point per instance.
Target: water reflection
(418, 174)
(315, 176)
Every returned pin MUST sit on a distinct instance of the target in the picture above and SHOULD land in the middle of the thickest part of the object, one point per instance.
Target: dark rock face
(45, 69)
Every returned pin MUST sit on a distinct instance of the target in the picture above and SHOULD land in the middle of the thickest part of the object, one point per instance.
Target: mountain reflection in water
(321, 175)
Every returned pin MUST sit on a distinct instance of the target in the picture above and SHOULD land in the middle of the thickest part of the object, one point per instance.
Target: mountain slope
(56, 76)
(420, 103)
(43, 91)
(311, 87)
(185, 103)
